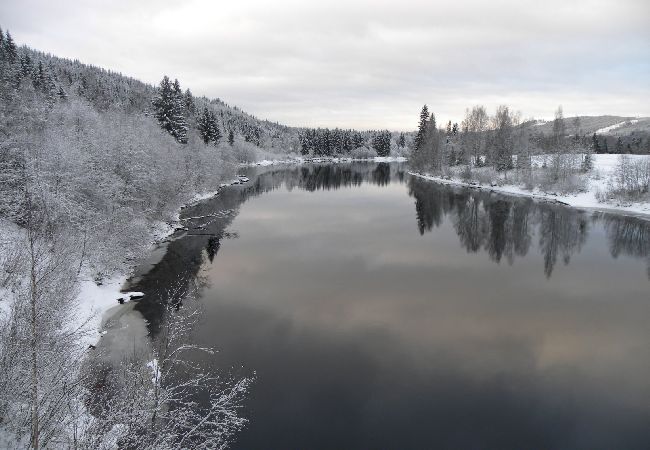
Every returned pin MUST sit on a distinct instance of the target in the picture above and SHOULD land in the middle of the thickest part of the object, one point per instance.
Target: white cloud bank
(363, 63)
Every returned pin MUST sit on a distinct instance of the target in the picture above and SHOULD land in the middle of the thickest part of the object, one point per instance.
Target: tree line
(342, 142)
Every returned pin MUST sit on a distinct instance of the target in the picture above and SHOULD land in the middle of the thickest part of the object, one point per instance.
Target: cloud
(362, 63)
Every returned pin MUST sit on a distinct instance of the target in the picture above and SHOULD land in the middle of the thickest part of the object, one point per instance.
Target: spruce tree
(10, 49)
(178, 117)
(422, 128)
(26, 66)
(231, 138)
(215, 133)
(208, 127)
(188, 100)
(203, 125)
(168, 109)
(163, 104)
(619, 146)
(401, 141)
(595, 144)
(381, 143)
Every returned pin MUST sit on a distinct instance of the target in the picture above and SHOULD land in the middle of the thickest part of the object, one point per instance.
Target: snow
(95, 300)
(206, 195)
(615, 126)
(155, 371)
(604, 166)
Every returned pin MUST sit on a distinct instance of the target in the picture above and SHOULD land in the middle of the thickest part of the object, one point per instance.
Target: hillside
(106, 90)
(610, 125)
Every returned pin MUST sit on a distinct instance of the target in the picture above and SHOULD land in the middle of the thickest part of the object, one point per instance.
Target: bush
(631, 179)
(466, 173)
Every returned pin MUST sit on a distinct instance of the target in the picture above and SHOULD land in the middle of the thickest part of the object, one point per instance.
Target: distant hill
(606, 125)
(108, 90)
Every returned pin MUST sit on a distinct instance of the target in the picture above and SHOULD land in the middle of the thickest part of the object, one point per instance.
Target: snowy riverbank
(97, 303)
(596, 184)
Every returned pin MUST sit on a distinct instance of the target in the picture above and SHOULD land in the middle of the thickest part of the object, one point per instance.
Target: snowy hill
(610, 125)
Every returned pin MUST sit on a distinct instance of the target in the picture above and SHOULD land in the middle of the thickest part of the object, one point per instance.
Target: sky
(365, 64)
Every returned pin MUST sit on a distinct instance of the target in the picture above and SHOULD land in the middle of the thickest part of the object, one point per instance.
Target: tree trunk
(33, 341)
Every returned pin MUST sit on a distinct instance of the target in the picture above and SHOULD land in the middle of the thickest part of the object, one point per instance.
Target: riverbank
(98, 303)
(588, 199)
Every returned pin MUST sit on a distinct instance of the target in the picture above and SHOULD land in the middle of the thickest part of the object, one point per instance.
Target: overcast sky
(363, 63)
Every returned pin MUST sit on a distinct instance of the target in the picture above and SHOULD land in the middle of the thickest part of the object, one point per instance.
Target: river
(380, 311)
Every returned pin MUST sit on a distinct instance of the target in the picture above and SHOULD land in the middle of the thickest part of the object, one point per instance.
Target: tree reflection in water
(505, 226)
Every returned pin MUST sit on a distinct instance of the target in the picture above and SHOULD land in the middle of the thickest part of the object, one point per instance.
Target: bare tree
(502, 141)
(475, 125)
(167, 399)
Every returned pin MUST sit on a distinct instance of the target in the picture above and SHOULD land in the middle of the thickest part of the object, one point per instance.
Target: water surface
(380, 311)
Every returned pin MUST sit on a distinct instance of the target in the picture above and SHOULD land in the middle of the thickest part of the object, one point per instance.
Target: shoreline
(583, 201)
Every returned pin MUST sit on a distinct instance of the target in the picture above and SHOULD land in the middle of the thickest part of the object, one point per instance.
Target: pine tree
(401, 141)
(26, 66)
(10, 49)
(188, 100)
(179, 122)
(208, 127)
(168, 109)
(163, 105)
(422, 128)
(619, 146)
(2, 45)
(381, 143)
(231, 138)
(203, 125)
(215, 133)
(595, 144)
(357, 140)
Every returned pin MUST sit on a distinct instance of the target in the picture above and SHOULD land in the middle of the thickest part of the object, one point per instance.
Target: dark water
(384, 312)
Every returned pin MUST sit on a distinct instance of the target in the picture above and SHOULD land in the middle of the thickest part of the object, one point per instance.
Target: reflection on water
(383, 311)
(502, 227)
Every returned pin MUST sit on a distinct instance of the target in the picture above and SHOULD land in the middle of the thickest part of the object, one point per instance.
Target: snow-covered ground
(615, 126)
(95, 300)
(598, 178)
